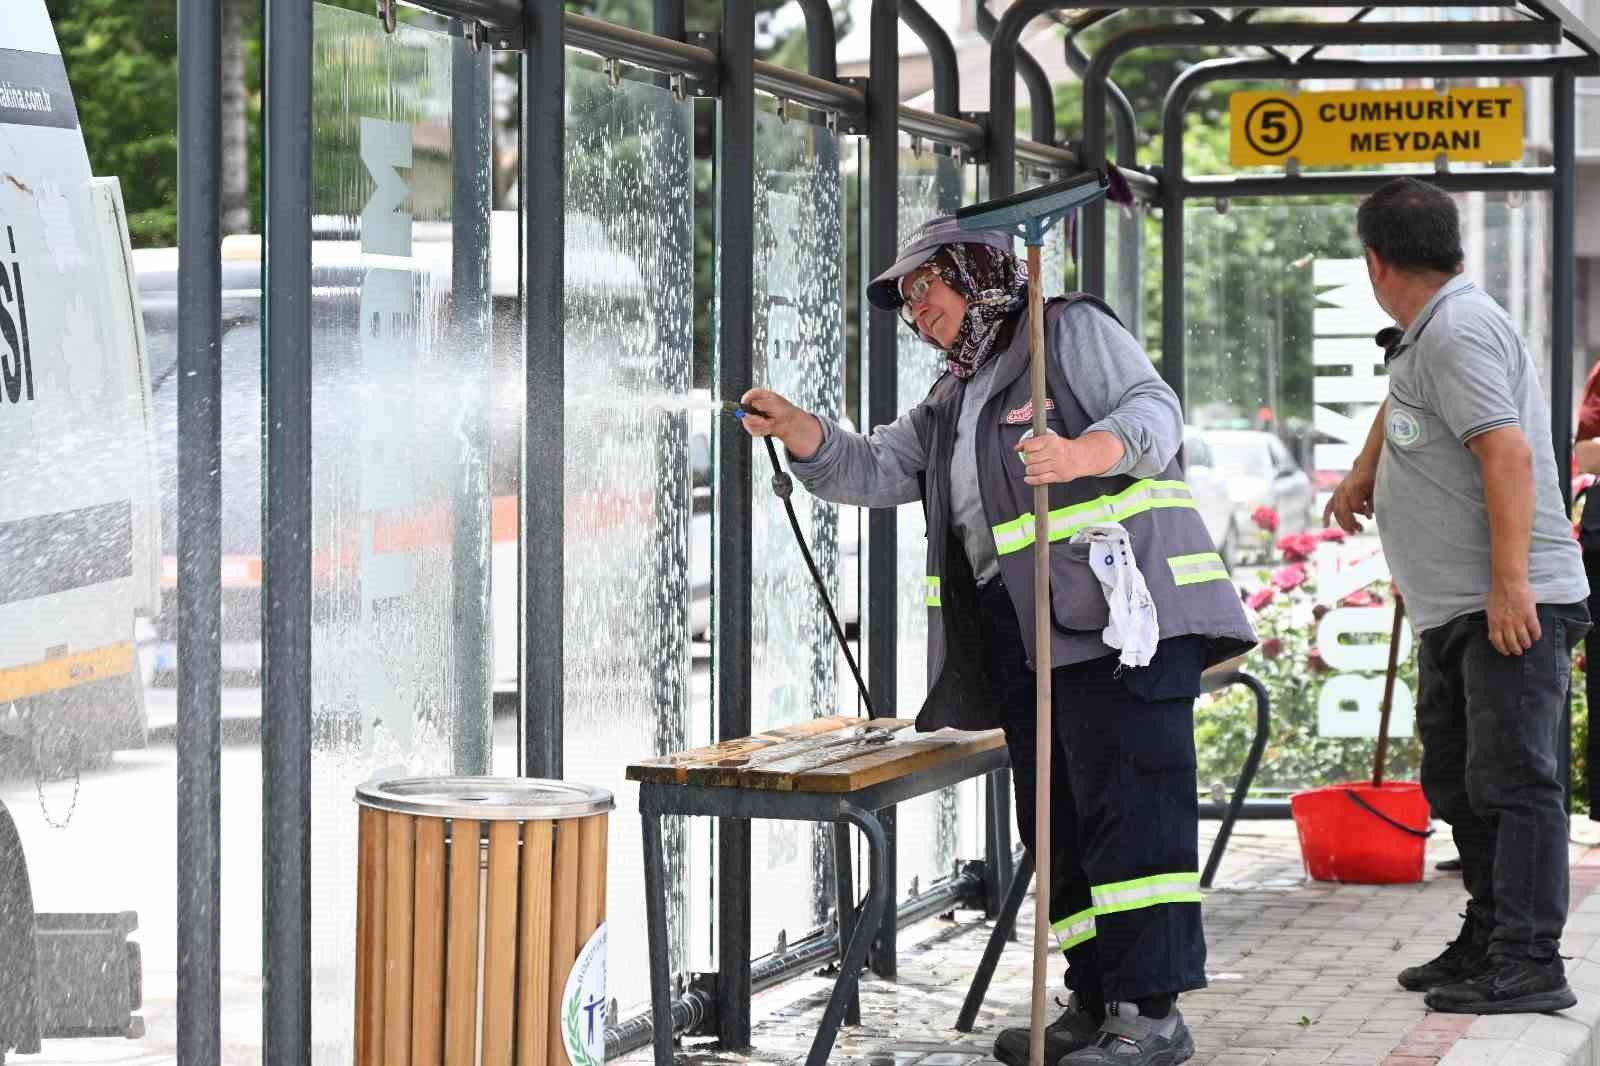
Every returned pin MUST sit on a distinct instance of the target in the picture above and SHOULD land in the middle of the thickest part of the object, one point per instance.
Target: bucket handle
(1423, 833)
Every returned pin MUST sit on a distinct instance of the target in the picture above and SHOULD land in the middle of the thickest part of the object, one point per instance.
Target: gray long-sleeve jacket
(1110, 375)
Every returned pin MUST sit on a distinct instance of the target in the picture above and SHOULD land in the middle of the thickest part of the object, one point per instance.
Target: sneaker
(1075, 1029)
(1507, 986)
(1467, 954)
(1128, 1039)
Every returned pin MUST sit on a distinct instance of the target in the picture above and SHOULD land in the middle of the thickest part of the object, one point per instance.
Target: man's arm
(1507, 463)
(1354, 495)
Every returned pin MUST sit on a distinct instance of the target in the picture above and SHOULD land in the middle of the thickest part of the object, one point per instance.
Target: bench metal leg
(845, 908)
(867, 924)
(1251, 763)
(1003, 925)
(655, 916)
(882, 957)
(998, 827)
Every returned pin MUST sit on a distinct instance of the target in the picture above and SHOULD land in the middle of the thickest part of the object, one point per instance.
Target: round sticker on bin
(583, 1005)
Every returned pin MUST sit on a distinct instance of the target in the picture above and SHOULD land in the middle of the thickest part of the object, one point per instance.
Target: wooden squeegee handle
(1043, 737)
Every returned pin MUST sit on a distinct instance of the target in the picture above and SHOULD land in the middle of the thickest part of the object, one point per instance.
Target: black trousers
(1124, 816)
(1490, 726)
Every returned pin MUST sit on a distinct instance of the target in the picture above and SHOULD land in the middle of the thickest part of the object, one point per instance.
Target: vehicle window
(1196, 452)
(1241, 456)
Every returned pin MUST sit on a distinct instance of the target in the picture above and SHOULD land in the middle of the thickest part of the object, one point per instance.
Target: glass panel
(1280, 325)
(391, 375)
(629, 290)
(799, 352)
(928, 827)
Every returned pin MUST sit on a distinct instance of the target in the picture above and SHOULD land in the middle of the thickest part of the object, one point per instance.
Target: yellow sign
(1383, 126)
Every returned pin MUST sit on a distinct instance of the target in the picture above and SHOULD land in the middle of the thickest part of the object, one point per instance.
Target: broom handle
(1041, 679)
(1388, 692)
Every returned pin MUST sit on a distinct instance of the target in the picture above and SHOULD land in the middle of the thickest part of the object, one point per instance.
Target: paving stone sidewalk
(1302, 974)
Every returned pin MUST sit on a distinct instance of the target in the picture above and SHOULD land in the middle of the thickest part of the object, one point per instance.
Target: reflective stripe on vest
(1137, 498)
(1193, 569)
(1074, 929)
(933, 591)
(1141, 892)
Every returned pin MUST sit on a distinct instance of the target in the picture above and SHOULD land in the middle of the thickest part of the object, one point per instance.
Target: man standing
(1459, 466)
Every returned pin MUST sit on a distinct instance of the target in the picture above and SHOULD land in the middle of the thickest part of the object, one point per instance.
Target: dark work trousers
(1490, 725)
(1591, 652)
(1124, 816)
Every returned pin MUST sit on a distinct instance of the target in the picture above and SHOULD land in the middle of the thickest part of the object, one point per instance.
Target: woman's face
(940, 309)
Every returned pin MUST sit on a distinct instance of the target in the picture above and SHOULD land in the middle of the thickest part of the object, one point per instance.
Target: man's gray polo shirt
(1462, 370)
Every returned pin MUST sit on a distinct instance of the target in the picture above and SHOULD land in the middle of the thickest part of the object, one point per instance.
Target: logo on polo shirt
(1404, 428)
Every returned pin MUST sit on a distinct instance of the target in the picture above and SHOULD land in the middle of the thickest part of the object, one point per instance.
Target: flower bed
(1285, 607)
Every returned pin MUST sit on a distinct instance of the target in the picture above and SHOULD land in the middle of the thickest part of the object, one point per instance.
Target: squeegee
(1030, 215)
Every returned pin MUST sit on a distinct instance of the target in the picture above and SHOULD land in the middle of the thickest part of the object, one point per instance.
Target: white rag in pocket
(1133, 628)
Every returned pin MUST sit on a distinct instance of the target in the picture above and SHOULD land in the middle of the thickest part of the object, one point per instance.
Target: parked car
(1232, 472)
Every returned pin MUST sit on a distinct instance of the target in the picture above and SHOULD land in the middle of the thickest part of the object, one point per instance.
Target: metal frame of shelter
(721, 65)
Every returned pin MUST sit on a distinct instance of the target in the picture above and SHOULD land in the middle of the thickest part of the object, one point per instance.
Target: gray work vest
(1192, 591)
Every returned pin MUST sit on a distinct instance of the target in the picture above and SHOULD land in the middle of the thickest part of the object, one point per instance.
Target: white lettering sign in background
(1349, 385)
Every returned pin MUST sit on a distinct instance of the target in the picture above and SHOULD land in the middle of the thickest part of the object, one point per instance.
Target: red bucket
(1362, 835)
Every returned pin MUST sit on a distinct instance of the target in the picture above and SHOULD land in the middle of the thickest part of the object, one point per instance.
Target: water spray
(783, 488)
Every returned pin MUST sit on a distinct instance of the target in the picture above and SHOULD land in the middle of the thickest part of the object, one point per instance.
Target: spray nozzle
(739, 410)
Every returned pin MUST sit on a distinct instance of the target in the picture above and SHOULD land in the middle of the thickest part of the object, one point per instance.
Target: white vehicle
(79, 553)
(1234, 471)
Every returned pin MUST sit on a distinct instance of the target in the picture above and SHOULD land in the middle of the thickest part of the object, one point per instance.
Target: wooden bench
(844, 770)
(838, 770)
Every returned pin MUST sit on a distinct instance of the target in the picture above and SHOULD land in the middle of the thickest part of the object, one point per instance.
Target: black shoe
(1467, 954)
(1075, 1029)
(1507, 986)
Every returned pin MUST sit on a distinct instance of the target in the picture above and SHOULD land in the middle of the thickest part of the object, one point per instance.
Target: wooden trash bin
(480, 923)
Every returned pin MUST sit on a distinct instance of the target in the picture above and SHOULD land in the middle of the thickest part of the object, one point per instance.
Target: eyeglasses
(914, 294)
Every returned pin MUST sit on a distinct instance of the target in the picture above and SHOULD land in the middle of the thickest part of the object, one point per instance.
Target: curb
(1563, 1039)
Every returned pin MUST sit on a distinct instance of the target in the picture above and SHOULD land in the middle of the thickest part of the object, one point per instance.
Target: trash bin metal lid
(519, 799)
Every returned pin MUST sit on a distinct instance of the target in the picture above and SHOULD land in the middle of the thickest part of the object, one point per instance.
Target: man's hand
(1054, 460)
(1513, 618)
(1353, 497)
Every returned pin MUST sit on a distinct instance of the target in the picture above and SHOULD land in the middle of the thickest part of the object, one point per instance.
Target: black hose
(783, 488)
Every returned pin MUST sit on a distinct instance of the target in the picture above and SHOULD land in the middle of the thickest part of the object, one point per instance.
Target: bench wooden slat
(900, 759)
(824, 748)
(824, 755)
(670, 768)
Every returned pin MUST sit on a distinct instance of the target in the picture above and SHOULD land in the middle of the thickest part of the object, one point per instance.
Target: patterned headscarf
(995, 285)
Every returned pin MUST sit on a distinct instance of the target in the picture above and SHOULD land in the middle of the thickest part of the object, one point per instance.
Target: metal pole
(881, 403)
(668, 19)
(1563, 267)
(734, 504)
(1041, 100)
(1563, 301)
(199, 740)
(821, 44)
(1173, 251)
(544, 82)
(471, 147)
(286, 540)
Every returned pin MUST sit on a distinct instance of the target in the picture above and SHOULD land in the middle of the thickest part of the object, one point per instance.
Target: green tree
(122, 61)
